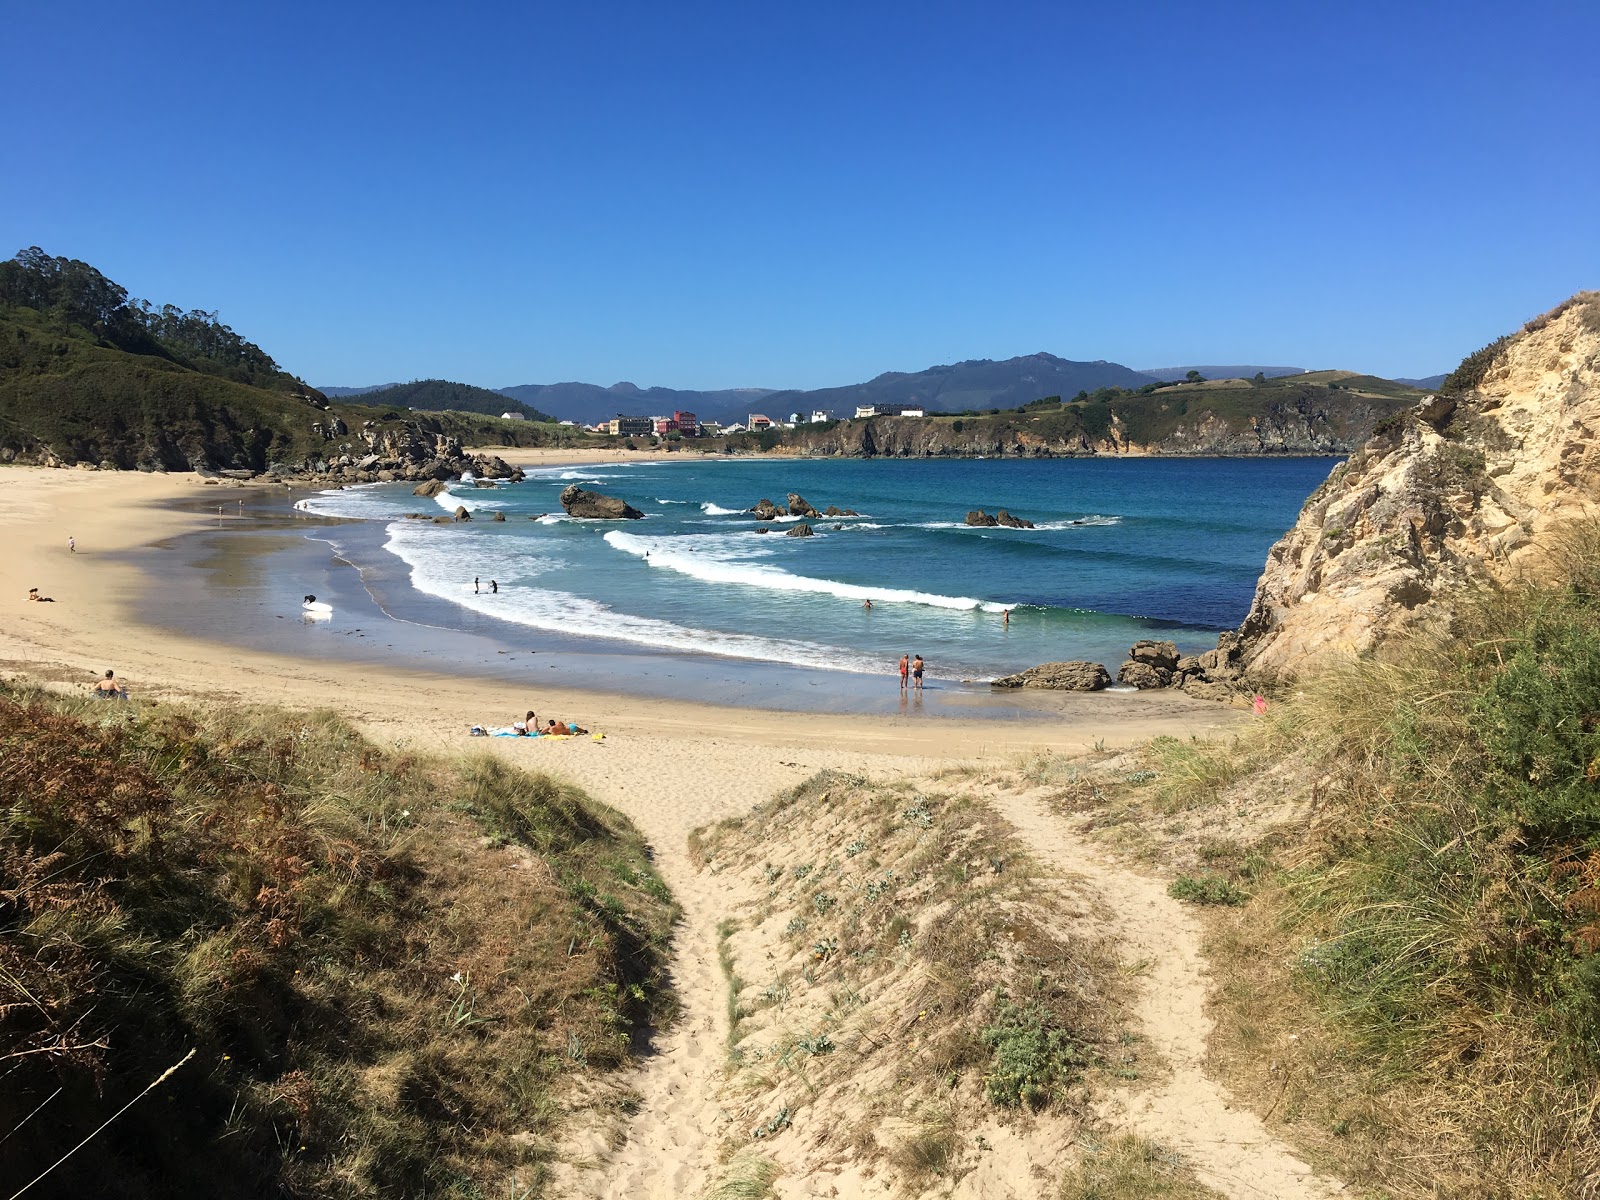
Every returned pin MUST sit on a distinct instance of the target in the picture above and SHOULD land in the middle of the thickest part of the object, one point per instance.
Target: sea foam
(671, 554)
(440, 561)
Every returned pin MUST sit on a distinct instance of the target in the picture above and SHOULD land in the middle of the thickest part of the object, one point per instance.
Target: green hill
(89, 376)
(436, 395)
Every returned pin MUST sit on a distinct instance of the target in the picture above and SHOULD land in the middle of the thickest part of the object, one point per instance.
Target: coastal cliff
(1472, 486)
(1329, 413)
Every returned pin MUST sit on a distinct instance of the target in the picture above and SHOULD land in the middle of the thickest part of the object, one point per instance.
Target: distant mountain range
(975, 385)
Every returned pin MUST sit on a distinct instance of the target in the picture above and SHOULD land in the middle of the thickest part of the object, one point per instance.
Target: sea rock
(1162, 655)
(370, 461)
(432, 488)
(765, 510)
(833, 510)
(1075, 676)
(763, 529)
(441, 519)
(499, 516)
(1473, 489)
(1004, 518)
(593, 506)
(800, 530)
(981, 519)
(1206, 689)
(798, 506)
(1143, 675)
(484, 483)
(462, 514)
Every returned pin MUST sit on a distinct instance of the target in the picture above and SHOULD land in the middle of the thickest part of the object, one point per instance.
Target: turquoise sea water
(1125, 549)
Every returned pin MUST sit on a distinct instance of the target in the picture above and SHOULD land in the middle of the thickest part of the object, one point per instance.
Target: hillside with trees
(89, 375)
(441, 395)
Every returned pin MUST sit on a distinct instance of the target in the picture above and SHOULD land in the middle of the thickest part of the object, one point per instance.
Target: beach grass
(390, 969)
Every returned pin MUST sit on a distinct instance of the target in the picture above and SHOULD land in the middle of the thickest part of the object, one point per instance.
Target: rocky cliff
(1472, 486)
(1278, 418)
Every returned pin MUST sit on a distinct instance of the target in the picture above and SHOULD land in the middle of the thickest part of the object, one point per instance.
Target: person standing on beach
(475, 588)
(905, 670)
(72, 544)
(494, 588)
(916, 671)
(1005, 619)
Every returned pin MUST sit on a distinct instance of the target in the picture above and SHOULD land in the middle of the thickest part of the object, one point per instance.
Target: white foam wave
(660, 501)
(439, 562)
(716, 510)
(717, 569)
(1064, 523)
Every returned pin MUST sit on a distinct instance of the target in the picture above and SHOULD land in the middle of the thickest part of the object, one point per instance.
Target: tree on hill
(1194, 377)
(76, 294)
(439, 395)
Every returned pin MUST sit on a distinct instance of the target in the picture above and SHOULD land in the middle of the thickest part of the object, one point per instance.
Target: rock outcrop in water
(1470, 487)
(1076, 676)
(592, 506)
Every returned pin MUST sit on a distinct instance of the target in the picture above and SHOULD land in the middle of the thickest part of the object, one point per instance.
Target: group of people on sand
(911, 670)
(529, 727)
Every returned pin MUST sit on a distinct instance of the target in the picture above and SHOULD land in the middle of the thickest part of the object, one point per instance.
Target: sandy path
(673, 1142)
(1228, 1147)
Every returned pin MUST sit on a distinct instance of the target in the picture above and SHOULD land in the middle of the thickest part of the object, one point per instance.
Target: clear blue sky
(807, 194)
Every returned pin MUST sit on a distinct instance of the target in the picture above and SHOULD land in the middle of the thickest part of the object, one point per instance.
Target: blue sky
(702, 195)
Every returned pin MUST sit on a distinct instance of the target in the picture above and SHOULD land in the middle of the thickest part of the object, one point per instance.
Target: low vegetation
(377, 974)
(900, 969)
(1402, 863)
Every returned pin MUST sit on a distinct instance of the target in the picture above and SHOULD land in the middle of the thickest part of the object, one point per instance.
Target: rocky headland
(1473, 487)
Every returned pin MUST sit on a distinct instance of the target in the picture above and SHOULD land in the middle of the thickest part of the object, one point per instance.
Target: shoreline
(128, 526)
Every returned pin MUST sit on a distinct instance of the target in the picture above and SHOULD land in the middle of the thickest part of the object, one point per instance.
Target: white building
(820, 414)
(512, 416)
(866, 410)
(912, 412)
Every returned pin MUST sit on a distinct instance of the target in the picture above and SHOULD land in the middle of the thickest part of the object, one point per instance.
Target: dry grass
(1412, 995)
(387, 965)
(903, 963)
(1131, 1168)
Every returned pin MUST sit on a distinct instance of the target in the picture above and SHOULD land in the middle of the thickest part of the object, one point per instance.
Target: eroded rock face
(592, 506)
(800, 530)
(798, 507)
(1470, 487)
(1004, 518)
(432, 488)
(1161, 655)
(1075, 676)
(982, 520)
(765, 510)
(1143, 675)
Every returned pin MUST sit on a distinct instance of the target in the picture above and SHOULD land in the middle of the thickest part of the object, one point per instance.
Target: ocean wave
(1065, 523)
(716, 510)
(662, 552)
(660, 501)
(439, 565)
(471, 499)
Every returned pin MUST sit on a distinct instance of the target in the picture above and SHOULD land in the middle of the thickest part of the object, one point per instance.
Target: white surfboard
(317, 606)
